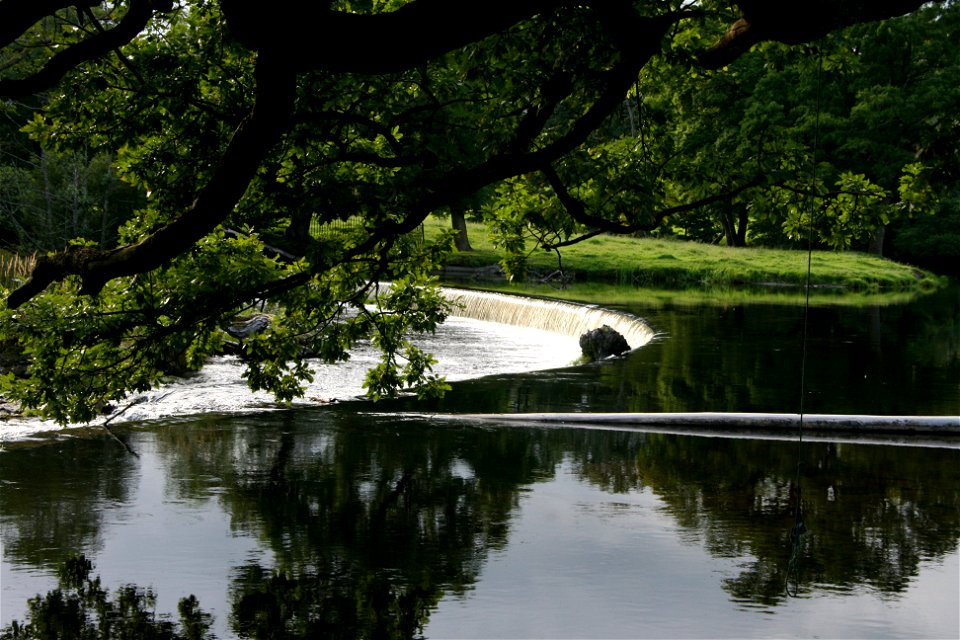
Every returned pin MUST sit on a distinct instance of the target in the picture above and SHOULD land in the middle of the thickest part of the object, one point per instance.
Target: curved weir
(550, 315)
(575, 319)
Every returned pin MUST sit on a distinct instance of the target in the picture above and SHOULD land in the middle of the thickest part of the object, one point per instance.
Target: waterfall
(550, 315)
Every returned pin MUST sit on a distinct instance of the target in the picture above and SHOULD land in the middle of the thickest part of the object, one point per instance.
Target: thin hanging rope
(811, 209)
(799, 528)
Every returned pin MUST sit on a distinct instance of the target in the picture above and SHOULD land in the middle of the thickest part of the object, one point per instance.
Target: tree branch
(797, 21)
(96, 46)
(553, 92)
(251, 142)
(16, 16)
(311, 36)
(644, 44)
(578, 210)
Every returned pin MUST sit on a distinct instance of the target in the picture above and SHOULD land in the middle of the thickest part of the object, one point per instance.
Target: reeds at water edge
(15, 269)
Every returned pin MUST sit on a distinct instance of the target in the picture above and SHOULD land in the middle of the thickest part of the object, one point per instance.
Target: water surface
(362, 521)
(494, 532)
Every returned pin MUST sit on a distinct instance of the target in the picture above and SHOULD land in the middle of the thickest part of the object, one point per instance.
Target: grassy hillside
(664, 264)
(648, 262)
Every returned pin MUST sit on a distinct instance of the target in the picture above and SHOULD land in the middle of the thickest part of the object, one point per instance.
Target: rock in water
(603, 342)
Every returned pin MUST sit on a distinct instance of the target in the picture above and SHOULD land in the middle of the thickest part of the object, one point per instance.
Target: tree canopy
(285, 153)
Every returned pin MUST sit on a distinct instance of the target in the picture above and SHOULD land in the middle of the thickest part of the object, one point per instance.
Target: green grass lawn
(602, 266)
(660, 263)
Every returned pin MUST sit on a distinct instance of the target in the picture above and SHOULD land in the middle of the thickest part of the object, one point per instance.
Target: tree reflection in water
(52, 500)
(371, 523)
(366, 522)
(81, 608)
(873, 513)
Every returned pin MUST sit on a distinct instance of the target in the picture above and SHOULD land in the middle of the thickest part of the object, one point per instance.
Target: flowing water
(358, 520)
(462, 347)
(491, 334)
(555, 316)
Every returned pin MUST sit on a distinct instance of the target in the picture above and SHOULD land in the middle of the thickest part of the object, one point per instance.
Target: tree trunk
(876, 241)
(459, 220)
(742, 219)
(78, 196)
(105, 207)
(104, 218)
(48, 239)
(297, 235)
(734, 225)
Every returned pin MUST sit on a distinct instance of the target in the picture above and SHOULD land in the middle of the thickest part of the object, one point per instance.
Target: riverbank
(623, 296)
(676, 264)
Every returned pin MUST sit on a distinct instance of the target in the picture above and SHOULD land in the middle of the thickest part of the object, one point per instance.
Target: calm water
(898, 360)
(365, 525)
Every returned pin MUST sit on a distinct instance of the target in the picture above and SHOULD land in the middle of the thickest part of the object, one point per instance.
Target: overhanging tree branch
(797, 21)
(616, 82)
(578, 211)
(312, 36)
(300, 35)
(16, 16)
(96, 46)
(250, 143)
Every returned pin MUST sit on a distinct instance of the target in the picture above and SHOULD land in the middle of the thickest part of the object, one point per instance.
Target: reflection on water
(341, 523)
(900, 360)
(350, 525)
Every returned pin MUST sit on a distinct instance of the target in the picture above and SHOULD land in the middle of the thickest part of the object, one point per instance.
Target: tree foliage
(245, 128)
(832, 141)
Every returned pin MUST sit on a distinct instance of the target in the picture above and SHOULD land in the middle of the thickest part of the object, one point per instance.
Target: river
(361, 520)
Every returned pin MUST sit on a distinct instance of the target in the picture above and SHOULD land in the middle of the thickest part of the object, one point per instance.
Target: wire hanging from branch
(799, 528)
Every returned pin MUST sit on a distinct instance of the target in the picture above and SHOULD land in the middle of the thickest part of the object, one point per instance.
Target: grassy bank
(612, 295)
(674, 264)
(601, 267)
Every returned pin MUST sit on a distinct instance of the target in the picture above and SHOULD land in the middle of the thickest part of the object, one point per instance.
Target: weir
(562, 317)
(575, 319)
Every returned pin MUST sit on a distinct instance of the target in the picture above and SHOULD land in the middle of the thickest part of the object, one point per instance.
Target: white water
(493, 333)
(550, 315)
(464, 348)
